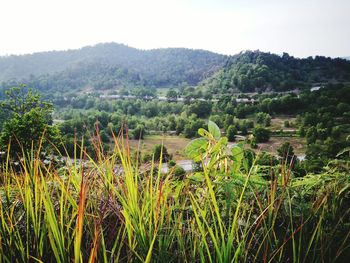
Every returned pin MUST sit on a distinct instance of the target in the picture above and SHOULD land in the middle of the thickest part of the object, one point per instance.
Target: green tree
(267, 159)
(261, 134)
(286, 152)
(263, 118)
(267, 120)
(160, 152)
(229, 120)
(180, 125)
(231, 132)
(201, 108)
(171, 95)
(179, 173)
(138, 132)
(29, 124)
(260, 117)
(191, 128)
(311, 135)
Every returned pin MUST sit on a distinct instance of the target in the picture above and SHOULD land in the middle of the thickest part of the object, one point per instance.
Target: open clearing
(277, 122)
(274, 143)
(175, 144)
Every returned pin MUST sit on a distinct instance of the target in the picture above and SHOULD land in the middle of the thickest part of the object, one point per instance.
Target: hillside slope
(254, 71)
(114, 64)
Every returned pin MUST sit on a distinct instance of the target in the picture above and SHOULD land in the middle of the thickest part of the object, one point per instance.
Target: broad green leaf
(204, 133)
(198, 177)
(196, 148)
(221, 144)
(214, 130)
(237, 157)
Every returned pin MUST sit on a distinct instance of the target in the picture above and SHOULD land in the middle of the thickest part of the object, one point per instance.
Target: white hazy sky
(299, 27)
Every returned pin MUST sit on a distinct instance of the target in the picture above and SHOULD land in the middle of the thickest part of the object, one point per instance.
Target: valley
(217, 158)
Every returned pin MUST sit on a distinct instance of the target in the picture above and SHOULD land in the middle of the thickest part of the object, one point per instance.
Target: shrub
(231, 132)
(179, 173)
(139, 132)
(160, 151)
(171, 163)
(261, 134)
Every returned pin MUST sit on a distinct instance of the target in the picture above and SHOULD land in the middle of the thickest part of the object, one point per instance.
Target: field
(277, 122)
(174, 144)
(298, 144)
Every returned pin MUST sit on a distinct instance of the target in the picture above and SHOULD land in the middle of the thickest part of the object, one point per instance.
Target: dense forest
(255, 71)
(112, 65)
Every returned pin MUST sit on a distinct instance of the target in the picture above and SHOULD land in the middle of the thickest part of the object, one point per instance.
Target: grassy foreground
(107, 210)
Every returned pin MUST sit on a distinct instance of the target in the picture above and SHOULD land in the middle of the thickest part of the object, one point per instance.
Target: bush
(191, 128)
(263, 118)
(286, 152)
(146, 158)
(179, 172)
(266, 159)
(138, 132)
(231, 132)
(261, 134)
(160, 151)
(171, 163)
(253, 144)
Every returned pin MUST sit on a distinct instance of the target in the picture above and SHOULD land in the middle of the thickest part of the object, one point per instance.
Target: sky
(300, 27)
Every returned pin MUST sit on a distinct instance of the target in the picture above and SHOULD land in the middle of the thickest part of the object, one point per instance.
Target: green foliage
(267, 120)
(201, 108)
(179, 173)
(171, 94)
(160, 153)
(29, 125)
(139, 132)
(286, 152)
(261, 134)
(231, 132)
(251, 71)
(171, 163)
(211, 218)
(228, 212)
(111, 65)
(253, 144)
(191, 128)
(260, 117)
(214, 130)
(263, 119)
(266, 159)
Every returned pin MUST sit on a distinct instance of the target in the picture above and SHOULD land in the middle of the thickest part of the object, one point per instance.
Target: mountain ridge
(109, 66)
(111, 54)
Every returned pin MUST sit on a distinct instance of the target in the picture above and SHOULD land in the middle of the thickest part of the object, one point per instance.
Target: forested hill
(111, 65)
(254, 71)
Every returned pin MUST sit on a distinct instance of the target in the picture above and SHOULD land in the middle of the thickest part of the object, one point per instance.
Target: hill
(111, 65)
(255, 71)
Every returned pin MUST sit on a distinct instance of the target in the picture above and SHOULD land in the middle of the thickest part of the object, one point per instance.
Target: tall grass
(108, 208)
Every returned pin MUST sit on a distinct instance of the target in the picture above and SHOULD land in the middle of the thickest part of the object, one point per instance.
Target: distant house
(316, 88)
(246, 100)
